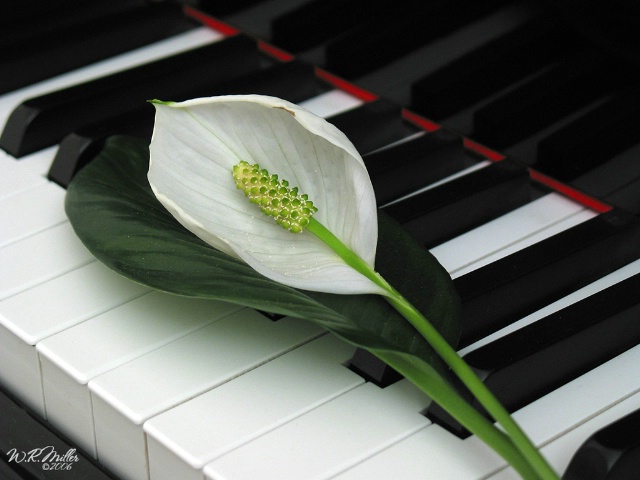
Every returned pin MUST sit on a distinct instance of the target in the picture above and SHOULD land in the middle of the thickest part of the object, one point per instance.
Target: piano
(518, 121)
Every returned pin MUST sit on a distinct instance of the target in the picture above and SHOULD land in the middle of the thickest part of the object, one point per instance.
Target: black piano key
(12, 11)
(23, 432)
(561, 90)
(508, 289)
(77, 149)
(374, 125)
(626, 197)
(293, 81)
(531, 362)
(225, 7)
(59, 51)
(43, 121)
(318, 21)
(372, 369)
(490, 68)
(592, 139)
(390, 35)
(257, 18)
(457, 206)
(612, 453)
(405, 167)
(39, 18)
(611, 175)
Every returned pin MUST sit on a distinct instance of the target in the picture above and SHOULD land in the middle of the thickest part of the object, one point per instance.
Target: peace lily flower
(282, 189)
(196, 145)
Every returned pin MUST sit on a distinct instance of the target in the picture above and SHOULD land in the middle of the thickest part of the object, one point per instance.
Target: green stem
(441, 392)
(443, 349)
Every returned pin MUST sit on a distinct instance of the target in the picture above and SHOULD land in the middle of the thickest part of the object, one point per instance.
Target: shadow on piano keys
(520, 136)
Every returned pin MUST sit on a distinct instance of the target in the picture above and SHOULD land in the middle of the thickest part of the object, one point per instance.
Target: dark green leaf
(116, 215)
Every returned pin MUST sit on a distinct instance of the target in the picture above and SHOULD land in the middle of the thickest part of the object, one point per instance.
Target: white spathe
(194, 147)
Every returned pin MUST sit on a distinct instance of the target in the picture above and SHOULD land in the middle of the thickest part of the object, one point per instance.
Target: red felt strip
(210, 21)
(577, 195)
(274, 52)
(345, 85)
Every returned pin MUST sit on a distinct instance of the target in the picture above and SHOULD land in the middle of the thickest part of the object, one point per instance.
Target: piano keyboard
(153, 386)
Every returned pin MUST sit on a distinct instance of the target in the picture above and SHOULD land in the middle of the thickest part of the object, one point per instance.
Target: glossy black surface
(508, 289)
(522, 366)
(612, 453)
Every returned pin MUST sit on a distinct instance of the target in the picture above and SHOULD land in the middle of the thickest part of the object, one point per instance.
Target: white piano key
(31, 211)
(127, 396)
(39, 258)
(560, 451)
(330, 438)
(49, 308)
(434, 453)
(163, 48)
(74, 356)
(184, 439)
(20, 372)
(535, 218)
(17, 176)
(331, 103)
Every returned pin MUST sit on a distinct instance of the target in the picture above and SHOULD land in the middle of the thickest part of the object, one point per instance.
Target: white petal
(194, 148)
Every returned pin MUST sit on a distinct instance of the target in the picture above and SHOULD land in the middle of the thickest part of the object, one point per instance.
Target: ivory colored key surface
(49, 308)
(30, 172)
(184, 439)
(74, 356)
(331, 103)
(125, 397)
(330, 438)
(39, 258)
(31, 211)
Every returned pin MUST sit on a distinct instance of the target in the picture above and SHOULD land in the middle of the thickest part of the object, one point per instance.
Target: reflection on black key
(563, 89)
(57, 52)
(405, 167)
(527, 364)
(393, 34)
(595, 137)
(508, 289)
(373, 125)
(490, 68)
(43, 121)
(292, 81)
(457, 206)
(612, 453)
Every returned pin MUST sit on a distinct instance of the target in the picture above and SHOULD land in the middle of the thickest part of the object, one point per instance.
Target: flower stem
(444, 350)
(441, 392)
